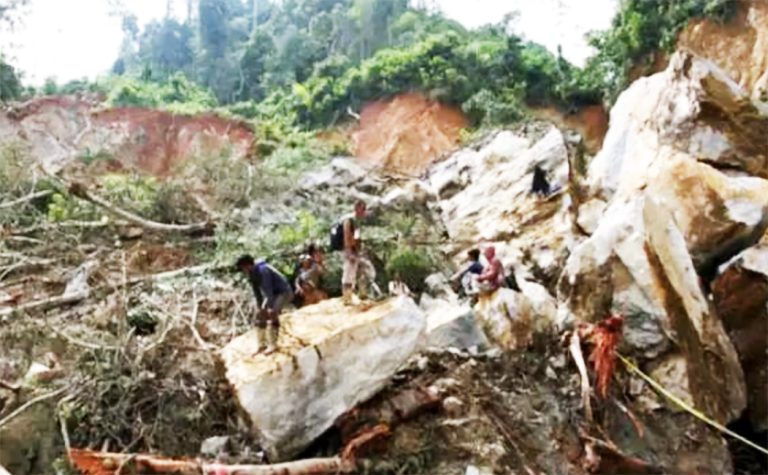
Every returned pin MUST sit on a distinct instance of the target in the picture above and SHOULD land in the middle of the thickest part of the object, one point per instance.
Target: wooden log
(89, 462)
(82, 192)
(45, 304)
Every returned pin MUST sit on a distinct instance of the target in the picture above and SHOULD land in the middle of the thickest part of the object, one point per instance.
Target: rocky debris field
(126, 338)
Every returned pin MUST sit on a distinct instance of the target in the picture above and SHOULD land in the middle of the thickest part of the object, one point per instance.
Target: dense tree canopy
(306, 62)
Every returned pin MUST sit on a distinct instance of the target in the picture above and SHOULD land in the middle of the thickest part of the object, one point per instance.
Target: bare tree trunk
(45, 304)
(255, 21)
(80, 191)
(22, 200)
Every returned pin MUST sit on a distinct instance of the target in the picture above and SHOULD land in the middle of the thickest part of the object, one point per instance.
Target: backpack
(510, 281)
(337, 235)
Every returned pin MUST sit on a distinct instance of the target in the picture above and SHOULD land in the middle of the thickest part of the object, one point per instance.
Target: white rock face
(670, 215)
(501, 317)
(451, 325)
(331, 358)
(485, 195)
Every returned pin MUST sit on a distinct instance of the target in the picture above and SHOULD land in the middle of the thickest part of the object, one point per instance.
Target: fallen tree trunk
(81, 192)
(186, 271)
(45, 304)
(25, 199)
(89, 462)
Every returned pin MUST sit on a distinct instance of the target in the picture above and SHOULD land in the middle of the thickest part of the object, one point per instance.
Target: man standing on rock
(273, 293)
(358, 271)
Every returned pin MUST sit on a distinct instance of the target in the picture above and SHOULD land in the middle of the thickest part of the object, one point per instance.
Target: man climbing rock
(273, 293)
(493, 276)
(540, 185)
(358, 270)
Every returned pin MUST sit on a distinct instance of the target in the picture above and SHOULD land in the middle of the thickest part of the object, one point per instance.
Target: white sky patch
(74, 39)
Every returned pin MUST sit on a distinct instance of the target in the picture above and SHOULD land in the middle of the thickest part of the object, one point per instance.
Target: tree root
(603, 457)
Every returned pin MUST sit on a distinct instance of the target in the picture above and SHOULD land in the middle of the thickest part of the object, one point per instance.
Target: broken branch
(603, 457)
(9, 386)
(45, 304)
(100, 463)
(25, 199)
(578, 358)
(31, 403)
(81, 192)
(368, 436)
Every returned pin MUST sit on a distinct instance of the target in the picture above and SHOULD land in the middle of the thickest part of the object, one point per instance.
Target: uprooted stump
(331, 357)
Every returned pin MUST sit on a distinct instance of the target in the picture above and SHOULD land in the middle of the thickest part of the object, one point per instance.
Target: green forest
(303, 64)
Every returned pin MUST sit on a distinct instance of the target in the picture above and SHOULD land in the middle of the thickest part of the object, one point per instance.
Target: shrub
(410, 266)
(177, 94)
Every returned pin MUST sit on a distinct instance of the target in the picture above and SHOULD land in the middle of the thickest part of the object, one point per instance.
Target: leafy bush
(488, 108)
(410, 266)
(65, 208)
(177, 94)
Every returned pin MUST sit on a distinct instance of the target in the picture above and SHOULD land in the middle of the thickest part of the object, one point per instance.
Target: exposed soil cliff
(406, 134)
(60, 129)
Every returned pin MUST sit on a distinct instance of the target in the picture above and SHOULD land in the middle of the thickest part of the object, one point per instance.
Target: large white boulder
(678, 192)
(331, 358)
(451, 324)
(501, 317)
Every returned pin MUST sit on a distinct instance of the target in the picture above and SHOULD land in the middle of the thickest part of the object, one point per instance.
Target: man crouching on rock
(272, 291)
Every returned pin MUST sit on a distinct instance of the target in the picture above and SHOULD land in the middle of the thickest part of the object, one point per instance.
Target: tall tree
(166, 47)
(10, 83)
(7, 8)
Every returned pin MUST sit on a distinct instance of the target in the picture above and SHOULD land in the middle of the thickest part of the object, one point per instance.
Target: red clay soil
(591, 122)
(407, 133)
(60, 128)
(161, 140)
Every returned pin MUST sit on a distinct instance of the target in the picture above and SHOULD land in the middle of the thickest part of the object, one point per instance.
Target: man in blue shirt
(273, 293)
(466, 275)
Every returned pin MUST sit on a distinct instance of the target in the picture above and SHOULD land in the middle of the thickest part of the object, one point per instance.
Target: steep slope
(407, 133)
(739, 47)
(57, 130)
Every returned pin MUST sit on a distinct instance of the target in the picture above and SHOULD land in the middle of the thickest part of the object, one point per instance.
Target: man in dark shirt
(273, 293)
(464, 277)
